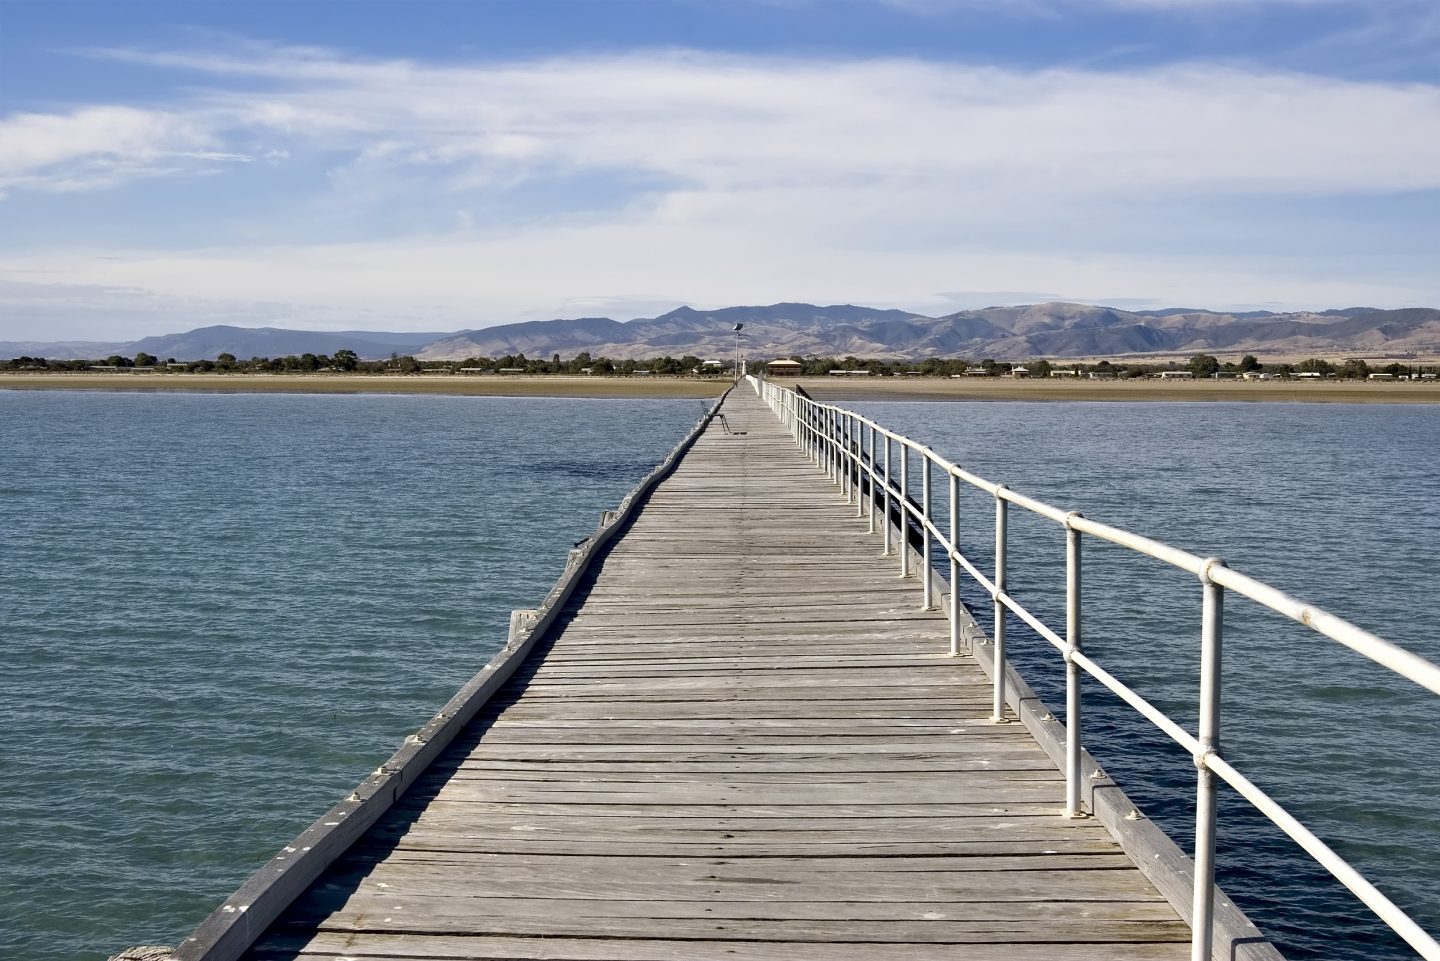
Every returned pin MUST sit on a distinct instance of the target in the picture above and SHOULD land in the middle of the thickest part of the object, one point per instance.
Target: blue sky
(442, 164)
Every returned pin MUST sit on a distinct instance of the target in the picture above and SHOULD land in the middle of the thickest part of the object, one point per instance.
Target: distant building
(849, 373)
(1060, 372)
(784, 368)
(1019, 371)
(1255, 375)
(1381, 377)
(1176, 375)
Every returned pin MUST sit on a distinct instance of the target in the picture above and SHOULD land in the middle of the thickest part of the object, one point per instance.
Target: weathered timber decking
(743, 740)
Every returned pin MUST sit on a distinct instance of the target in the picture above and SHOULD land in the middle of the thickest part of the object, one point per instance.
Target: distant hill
(1052, 330)
(207, 343)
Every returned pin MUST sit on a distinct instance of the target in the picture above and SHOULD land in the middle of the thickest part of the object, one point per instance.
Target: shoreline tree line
(689, 365)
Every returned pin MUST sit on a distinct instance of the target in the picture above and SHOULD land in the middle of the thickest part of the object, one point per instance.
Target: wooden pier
(740, 739)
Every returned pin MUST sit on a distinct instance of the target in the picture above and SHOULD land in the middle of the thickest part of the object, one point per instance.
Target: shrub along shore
(825, 388)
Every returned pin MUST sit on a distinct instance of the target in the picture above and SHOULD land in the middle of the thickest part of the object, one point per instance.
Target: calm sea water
(1336, 504)
(220, 612)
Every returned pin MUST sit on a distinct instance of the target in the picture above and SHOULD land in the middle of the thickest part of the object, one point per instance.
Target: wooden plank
(333, 946)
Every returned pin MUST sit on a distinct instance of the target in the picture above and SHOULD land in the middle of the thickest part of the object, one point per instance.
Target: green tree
(1203, 365)
(1249, 363)
(1040, 368)
(225, 361)
(1315, 365)
(345, 359)
(1354, 369)
(143, 359)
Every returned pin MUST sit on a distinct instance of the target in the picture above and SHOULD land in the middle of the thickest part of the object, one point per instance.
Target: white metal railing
(850, 448)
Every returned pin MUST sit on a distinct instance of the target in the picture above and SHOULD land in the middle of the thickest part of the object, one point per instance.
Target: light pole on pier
(738, 328)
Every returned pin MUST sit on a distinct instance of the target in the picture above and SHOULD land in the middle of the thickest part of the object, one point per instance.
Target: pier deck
(743, 740)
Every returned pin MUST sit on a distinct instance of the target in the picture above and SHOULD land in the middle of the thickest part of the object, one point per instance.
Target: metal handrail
(834, 438)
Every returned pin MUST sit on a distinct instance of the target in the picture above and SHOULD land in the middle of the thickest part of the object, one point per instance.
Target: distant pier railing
(873, 466)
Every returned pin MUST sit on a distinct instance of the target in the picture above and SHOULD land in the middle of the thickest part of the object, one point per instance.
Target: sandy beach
(825, 388)
(508, 386)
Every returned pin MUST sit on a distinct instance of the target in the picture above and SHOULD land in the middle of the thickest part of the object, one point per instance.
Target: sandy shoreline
(510, 386)
(825, 388)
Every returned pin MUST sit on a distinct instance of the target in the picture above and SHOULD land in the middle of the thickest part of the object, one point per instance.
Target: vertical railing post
(824, 452)
(858, 438)
(1211, 643)
(1074, 777)
(835, 475)
(816, 445)
(832, 449)
(874, 494)
(848, 457)
(903, 515)
(954, 564)
(817, 453)
(927, 603)
(1001, 525)
(885, 518)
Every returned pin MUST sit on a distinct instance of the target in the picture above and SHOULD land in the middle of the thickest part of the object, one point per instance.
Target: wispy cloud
(705, 178)
(101, 146)
(716, 123)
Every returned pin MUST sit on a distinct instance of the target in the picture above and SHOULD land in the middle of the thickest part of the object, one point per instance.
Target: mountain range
(1053, 330)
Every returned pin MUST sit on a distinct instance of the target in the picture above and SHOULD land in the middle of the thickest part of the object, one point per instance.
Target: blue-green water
(1336, 504)
(220, 612)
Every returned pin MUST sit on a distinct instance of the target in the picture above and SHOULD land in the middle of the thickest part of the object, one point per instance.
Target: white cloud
(726, 123)
(885, 181)
(101, 146)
